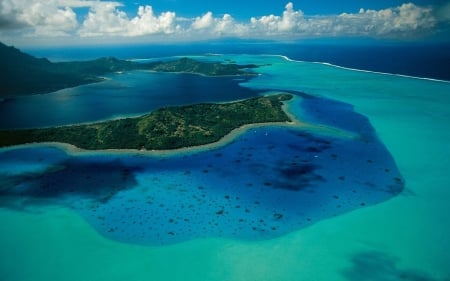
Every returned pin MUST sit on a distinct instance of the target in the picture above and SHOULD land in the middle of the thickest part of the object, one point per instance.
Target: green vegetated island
(25, 74)
(165, 128)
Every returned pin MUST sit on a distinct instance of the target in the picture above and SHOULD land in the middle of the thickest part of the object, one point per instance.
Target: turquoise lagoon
(358, 195)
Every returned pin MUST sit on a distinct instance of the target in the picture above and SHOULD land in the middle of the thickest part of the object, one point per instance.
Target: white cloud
(203, 22)
(290, 18)
(289, 22)
(103, 20)
(50, 18)
(405, 20)
(108, 19)
(207, 25)
(228, 26)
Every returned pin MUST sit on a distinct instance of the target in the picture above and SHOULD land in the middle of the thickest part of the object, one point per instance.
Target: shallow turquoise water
(387, 239)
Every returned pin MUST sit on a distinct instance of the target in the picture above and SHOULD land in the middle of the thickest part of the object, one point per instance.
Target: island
(25, 74)
(162, 129)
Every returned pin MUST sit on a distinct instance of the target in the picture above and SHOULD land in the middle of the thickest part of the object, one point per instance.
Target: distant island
(165, 128)
(25, 74)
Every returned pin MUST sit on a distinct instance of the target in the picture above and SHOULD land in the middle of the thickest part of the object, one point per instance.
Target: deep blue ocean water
(421, 60)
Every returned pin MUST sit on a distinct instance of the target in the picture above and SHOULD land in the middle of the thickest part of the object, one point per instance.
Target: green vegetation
(188, 65)
(25, 74)
(165, 128)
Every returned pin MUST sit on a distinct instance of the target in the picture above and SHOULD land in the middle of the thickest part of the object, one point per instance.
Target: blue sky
(28, 22)
(245, 9)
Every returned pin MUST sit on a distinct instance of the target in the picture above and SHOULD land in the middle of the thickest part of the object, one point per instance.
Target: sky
(65, 22)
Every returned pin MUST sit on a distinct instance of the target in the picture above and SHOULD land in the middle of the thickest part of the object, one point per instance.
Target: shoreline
(361, 70)
(295, 123)
(128, 115)
(102, 78)
(246, 74)
(7, 97)
(228, 138)
(105, 78)
(285, 57)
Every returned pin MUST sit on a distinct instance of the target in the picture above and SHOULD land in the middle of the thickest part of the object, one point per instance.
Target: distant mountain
(24, 74)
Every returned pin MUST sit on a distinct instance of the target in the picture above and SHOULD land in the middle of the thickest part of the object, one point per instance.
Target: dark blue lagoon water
(128, 94)
(267, 182)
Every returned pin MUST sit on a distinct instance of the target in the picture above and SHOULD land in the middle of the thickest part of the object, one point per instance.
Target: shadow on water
(76, 178)
(298, 177)
(380, 266)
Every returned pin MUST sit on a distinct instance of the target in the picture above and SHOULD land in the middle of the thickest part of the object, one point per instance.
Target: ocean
(426, 60)
(360, 193)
